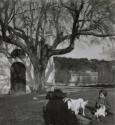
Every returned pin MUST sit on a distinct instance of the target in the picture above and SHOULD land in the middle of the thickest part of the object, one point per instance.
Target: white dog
(101, 111)
(76, 104)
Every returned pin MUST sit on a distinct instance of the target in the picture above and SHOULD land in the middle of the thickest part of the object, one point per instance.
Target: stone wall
(85, 72)
(4, 74)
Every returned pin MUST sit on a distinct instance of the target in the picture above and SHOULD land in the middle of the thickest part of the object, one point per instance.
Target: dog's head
(84, 103)
(69, 103)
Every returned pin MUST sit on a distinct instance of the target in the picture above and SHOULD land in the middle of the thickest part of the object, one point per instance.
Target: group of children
(101, 101)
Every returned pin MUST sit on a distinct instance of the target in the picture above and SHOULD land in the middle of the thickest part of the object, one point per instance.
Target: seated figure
(56, 111)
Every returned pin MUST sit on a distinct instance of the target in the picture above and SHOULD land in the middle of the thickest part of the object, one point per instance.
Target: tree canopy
(40, 26)
(30, 23)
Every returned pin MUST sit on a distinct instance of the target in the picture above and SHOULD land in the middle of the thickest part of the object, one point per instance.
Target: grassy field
(24, 110)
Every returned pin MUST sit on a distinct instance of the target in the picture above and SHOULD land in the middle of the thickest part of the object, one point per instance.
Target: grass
(24, 110)
(21, 110)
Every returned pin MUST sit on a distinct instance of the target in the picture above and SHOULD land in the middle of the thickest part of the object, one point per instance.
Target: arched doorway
(18, 77)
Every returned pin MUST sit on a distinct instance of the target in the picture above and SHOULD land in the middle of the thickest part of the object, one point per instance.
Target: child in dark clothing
(56, 111)
(102, 100)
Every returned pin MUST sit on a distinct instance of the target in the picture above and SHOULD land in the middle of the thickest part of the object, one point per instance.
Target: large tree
(40, 26)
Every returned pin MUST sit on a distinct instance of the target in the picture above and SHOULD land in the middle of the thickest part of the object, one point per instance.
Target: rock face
(18, 78)
(11, 71)
(4, 84)
(50, 72)
(28, 90)
(4, 74)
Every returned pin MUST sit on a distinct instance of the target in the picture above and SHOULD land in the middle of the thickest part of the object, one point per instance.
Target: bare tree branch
(62, 51)
(18, 32)
(38, 27)
(58, 40)
(67, 37)
(96, 34)
(14, 42)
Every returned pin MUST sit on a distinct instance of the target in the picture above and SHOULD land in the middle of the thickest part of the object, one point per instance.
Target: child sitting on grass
(102, 100)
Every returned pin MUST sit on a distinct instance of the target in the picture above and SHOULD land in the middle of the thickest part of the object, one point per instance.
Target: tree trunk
(39, 76)
(39, 65)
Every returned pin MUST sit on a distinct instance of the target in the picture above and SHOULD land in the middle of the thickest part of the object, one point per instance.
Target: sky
(102, 50)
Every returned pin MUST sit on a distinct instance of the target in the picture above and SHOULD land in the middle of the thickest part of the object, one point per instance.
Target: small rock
(35, 98)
